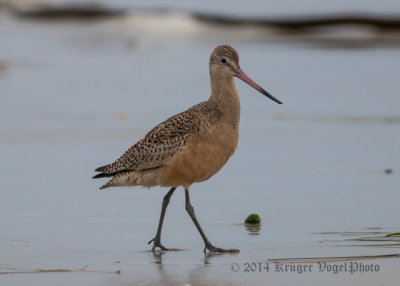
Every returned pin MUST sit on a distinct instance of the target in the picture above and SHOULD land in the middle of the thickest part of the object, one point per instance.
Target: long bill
(240, 74)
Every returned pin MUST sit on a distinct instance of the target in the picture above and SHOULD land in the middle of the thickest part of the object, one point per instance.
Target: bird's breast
(204, 155)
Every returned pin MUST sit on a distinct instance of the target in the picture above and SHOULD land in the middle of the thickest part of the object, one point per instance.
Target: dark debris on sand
(66, 11)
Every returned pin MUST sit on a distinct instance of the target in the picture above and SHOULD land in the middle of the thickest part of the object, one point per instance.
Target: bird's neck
(224, 97)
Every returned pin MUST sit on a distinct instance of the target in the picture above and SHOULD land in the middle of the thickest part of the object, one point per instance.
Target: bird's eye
(223, 61)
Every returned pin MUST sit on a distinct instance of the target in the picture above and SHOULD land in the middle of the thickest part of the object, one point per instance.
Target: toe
(214, 249)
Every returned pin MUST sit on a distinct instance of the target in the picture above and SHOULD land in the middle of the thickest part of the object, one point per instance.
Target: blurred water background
(322, 170)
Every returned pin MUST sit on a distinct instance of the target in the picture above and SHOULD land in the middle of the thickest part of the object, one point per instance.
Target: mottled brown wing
(159, 145)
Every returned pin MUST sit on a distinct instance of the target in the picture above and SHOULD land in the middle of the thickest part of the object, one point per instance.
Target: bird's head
(224, 62)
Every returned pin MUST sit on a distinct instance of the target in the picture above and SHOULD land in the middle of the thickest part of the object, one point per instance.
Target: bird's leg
(157, 239)
(208, 245)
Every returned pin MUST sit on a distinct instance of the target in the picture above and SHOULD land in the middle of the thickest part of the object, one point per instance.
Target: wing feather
(159, 145)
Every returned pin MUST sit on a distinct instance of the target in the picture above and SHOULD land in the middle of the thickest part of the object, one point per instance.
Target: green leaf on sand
(253, 219)
(84, 268)
(393, 234)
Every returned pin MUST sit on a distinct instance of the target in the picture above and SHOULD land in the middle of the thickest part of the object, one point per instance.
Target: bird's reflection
(157, 257)
(173, 276)
(165, 277)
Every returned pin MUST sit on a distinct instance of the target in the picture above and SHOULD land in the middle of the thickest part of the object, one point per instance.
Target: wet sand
(76, 95)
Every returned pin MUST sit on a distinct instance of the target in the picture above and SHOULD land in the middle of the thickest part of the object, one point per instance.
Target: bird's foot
(212, 249)
(157, 243)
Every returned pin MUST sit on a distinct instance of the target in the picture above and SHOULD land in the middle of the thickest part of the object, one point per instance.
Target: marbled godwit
(189, 147)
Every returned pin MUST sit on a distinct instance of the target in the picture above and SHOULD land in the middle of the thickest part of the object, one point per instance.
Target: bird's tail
(118, 180)
(103, 173)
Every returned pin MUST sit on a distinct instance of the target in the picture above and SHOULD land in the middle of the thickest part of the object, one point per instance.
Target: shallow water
(76, 95)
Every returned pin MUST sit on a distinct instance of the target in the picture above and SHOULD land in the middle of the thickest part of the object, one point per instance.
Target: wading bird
(189, 147)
